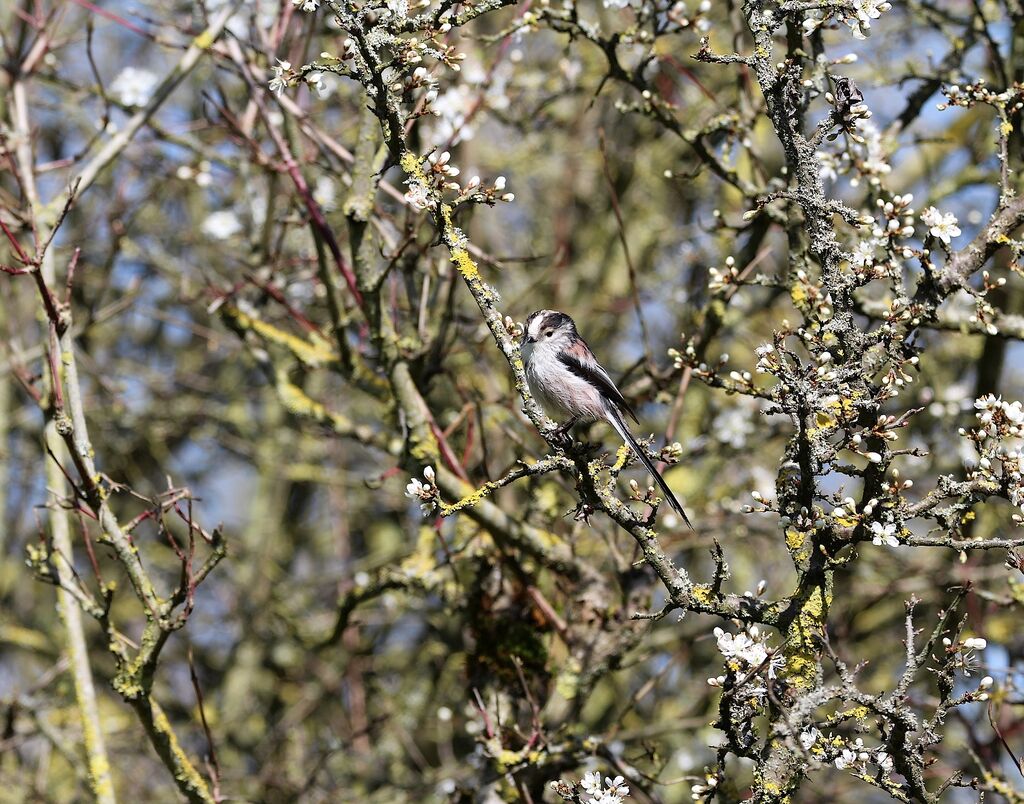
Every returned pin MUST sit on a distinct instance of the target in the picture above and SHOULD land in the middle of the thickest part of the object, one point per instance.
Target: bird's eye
(549, 333)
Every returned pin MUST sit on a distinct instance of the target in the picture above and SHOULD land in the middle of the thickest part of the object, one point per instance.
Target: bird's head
(545, 325)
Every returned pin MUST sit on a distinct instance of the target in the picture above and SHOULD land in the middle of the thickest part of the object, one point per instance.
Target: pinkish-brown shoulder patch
(579, 349)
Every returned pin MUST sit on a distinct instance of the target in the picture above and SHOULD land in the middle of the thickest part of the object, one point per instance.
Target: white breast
(560, 392)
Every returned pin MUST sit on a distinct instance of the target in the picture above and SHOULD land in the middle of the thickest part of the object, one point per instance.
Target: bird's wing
(580, 361)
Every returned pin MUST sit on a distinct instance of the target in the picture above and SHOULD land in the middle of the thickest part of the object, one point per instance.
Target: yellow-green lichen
(465, 264)
(312, 353)
(411, 164)
(204, 40)
(799, 544)
(621, 456)
(421, 562)
(184, 771)
(423, 447)
(298, 403)
(506, 760)
(835, 412)
(772, 791)
(99, 766)
(798, 295)
(470, 500)
(801, 668)
(701, 594)
(568, 681)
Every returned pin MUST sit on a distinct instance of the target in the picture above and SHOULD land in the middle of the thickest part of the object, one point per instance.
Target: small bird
(566, 379)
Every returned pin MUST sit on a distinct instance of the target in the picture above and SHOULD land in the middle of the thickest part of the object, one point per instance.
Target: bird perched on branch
(569, 383)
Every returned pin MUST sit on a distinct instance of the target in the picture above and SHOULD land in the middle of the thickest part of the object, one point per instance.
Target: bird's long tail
(615, 419)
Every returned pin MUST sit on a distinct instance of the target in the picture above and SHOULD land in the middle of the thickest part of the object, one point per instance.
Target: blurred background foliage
(195, 232)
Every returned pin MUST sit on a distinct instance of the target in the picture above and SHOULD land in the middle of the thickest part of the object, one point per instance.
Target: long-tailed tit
(567, 381)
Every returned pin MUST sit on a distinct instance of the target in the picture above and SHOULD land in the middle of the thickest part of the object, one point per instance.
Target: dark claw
(582, 512)
(560, 433)
(561, 438)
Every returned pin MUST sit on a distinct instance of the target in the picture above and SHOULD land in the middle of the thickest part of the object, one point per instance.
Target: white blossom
(591, 782)
(417, 196)
(1000, 418)
(279, 82)
(134, 86)
(808, 737)
(866, 10)
(1014, 412)
(733, 426)
(221, 225)
(306, 5)
(325, 193)
(615, 792)
(617, 785)
(874, 161)
(812, 22)
(426, 492)
(319, 83)
(846, 759)
(941, 225)
(829, 164)
(884, 534)
(453, 108)
(415, 488)
(863, 254)
(767, 360)
(741, 646)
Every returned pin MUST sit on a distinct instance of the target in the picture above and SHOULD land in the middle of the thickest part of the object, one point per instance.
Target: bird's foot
(567, 444)
(560, 438)
(582, 512)
(561, 433)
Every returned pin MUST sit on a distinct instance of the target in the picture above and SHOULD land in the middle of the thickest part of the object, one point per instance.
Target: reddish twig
(113, 18)
(279, 297)
(214, 764)
(15, 244)
(87, 540)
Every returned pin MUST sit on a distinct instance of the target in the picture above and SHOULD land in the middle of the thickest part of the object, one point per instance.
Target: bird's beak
(528, 339)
